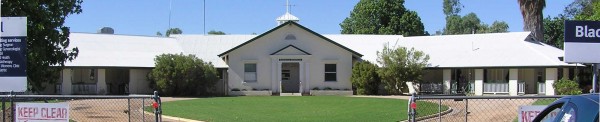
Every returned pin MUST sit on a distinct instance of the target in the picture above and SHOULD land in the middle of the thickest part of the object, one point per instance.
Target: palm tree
(533, 17)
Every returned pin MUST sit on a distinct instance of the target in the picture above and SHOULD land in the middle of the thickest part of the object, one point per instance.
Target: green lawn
(543, 101)
(292, 108)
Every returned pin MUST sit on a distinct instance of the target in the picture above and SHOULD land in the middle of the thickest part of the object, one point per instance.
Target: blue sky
(146, 17)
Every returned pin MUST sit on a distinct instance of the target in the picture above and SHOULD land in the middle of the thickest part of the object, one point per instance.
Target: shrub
(316, 88)
(327, 88)
(364, 78)
(235, 89)
(566, 87)
(182, 75)
(400, 65)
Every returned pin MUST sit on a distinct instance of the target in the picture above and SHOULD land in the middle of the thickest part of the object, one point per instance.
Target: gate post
(12, 106)
(157, 107)
(412, 111)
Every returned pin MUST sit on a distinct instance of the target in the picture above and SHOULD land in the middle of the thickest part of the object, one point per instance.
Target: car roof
(592, 97)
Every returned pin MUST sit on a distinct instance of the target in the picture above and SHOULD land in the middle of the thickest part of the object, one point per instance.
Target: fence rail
(139, 108)
(472, 108)
(541, 88)
(84, 88)
(494, 88)
(521, 87)
(432, 87)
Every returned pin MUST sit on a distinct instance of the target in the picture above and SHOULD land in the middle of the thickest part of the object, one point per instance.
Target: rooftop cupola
(287, 16)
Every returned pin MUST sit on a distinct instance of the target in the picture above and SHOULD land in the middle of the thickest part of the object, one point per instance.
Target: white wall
(513, 77)
(259, 51)
(66, 83)
(479, 81)
(138, 82)
(101, 84)
(551, 76)
(447, 77)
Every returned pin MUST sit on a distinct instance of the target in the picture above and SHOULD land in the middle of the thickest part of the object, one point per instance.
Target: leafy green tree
(178, 74)
(452, 7)
(158, 33)
(578, 10)
(591, 12)
(468, 24)
(554, 31)
(364, 78)
(173, 31)
(47, 37)
(400, 65)
(382, 17)
(533, 17)
(498, 27)
(213, 32)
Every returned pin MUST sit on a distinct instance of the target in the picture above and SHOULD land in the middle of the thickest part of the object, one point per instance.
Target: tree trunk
(533, 17)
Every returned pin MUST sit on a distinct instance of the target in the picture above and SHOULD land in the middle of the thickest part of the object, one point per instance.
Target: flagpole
(170, 7)
(204, 16)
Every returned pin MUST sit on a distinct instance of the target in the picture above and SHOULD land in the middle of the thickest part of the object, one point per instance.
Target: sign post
(582, 44)
(13, 54)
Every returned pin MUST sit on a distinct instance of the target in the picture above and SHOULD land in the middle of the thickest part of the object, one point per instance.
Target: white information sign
(13, 54)
(582, 41)
(42, 112)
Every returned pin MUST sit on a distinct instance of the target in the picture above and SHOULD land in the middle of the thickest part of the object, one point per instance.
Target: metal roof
(109, 50)
(448, 51)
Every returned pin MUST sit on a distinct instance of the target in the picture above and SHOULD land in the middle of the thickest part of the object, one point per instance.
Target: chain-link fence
(472, 108)
(81, 108)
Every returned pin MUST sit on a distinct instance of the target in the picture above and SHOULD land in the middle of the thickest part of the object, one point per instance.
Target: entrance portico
(289, 72)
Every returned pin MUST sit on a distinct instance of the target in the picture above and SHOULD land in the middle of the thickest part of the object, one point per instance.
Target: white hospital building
(292, 59)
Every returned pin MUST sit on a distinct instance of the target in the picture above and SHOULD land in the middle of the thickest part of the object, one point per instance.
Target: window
(330, 72)
(250, 72)
(550, 113)
(290, 37)
(570, 113)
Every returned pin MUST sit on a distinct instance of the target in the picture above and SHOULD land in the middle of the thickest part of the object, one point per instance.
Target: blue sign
(13, 56)
(582, 31)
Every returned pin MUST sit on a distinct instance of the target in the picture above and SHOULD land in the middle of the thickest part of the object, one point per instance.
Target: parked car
(579, 108)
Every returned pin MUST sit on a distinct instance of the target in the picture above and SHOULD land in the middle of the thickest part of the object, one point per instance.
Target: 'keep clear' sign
(529, 112)
(41, 112)
(582, 41)
(13, 54)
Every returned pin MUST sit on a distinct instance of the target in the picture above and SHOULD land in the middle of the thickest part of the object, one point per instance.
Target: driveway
(479, 110)
(115, 110)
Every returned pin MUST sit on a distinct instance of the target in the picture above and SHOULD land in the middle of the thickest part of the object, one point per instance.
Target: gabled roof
(288, 47)
(298, 25)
